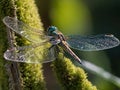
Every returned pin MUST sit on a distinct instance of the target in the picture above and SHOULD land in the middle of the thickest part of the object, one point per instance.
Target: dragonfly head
(52, 30)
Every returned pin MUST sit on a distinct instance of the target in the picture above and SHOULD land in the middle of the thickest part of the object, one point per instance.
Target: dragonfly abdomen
(67, 49)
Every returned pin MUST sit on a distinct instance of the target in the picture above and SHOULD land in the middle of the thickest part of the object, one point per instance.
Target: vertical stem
(13, 67)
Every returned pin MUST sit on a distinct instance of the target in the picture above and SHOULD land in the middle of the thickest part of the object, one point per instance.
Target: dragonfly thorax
(55, 41)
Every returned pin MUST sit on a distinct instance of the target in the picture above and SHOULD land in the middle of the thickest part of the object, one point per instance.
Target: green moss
(32, 76)
(27, 12)
(70, 76)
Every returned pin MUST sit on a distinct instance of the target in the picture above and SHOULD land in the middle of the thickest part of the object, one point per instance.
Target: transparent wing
(92, 43)
(24, 30)
(31, 54)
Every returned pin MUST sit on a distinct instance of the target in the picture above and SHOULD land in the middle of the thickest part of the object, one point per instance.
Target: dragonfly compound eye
(51, 30)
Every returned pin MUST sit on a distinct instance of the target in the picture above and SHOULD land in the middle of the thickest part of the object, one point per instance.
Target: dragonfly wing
(24, 30)
(30, 54)
(92, 43)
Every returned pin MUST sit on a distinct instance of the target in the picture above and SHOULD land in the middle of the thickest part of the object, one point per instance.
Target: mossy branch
(28, 13)
(70, 76)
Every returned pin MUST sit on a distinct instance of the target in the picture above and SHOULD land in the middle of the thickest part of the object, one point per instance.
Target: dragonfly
(45, 45)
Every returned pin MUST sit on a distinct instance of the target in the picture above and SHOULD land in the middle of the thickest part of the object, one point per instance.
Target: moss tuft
(32, 75)
(70, 76)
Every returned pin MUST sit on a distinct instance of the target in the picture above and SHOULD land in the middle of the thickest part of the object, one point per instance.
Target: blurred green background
(86, 17)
